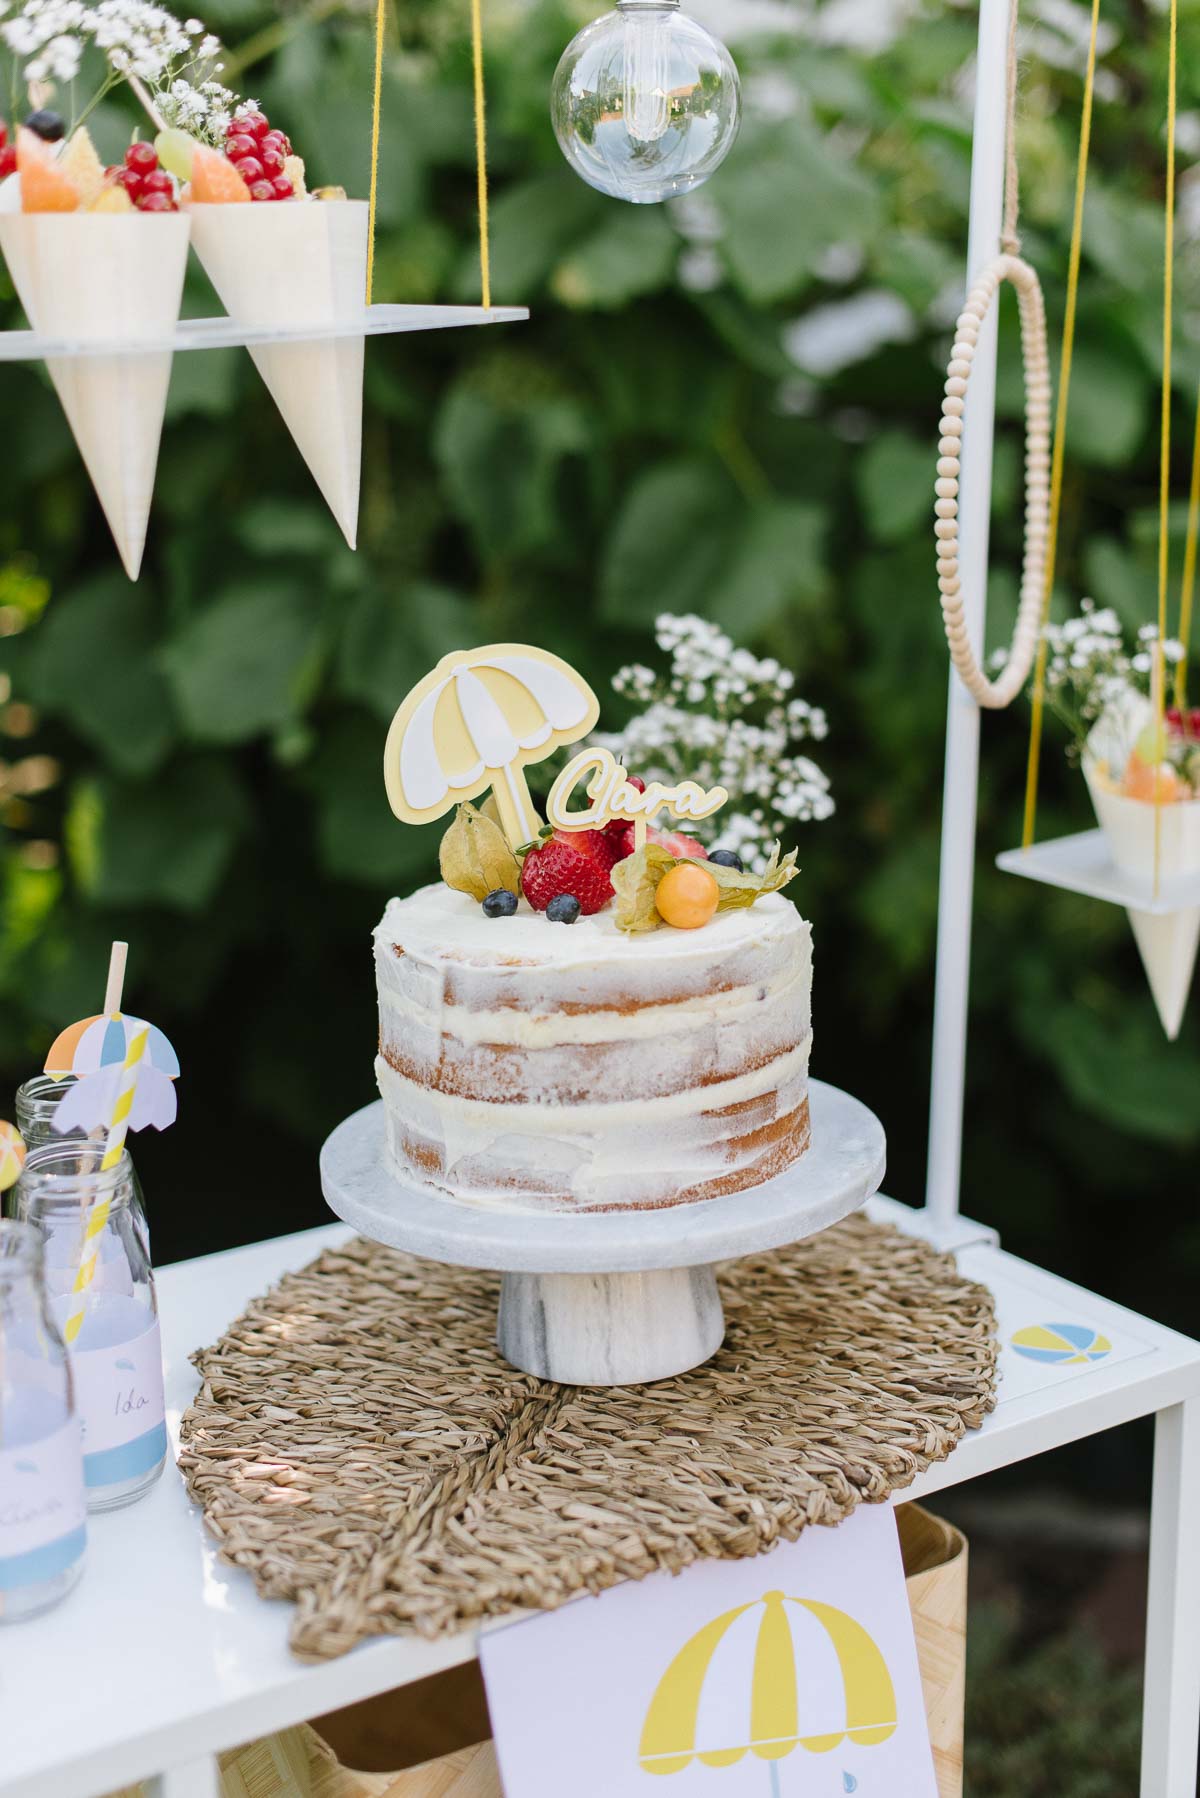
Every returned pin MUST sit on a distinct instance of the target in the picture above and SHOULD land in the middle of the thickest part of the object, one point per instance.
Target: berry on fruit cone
(687, 896)
(570, 861)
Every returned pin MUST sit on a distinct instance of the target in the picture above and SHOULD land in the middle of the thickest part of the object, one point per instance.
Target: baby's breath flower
(722, 717)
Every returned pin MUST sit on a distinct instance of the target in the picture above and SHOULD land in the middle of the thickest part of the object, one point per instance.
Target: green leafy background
(194, 762)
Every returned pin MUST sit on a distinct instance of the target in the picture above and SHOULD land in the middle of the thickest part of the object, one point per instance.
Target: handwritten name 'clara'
(611, 796)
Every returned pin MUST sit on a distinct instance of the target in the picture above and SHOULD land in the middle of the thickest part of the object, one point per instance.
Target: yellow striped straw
(117, 1130)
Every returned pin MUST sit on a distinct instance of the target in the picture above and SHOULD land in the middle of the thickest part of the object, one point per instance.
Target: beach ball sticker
(1062, 1345)
(768, 1677)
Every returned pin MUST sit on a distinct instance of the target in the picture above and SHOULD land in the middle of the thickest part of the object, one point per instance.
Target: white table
(163, 1656)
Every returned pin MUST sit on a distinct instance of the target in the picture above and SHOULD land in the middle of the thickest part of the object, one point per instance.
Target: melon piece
(176, 150)
(215, 181)
(82, 167)
(43, 188)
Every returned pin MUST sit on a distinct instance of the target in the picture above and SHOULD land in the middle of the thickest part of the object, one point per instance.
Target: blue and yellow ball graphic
(1064, 1344)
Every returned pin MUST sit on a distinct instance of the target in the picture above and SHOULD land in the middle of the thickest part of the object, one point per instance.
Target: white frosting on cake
(527, 1062)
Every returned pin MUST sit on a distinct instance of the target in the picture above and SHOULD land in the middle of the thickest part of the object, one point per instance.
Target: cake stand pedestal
(609, 1298)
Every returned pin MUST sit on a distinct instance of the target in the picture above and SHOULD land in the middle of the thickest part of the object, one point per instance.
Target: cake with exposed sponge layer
(527, 1065)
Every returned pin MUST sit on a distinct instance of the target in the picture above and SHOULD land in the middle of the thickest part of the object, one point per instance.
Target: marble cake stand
(609, 1298)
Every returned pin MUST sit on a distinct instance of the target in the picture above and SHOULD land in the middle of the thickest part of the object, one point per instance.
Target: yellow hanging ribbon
(1033, 763)
(1187, 585)
(481, 179)
(377, 98)
(1159, 685)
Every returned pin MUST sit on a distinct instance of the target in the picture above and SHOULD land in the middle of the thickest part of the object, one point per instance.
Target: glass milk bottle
(37, 1101)
(94, 1235)
(43, 1526)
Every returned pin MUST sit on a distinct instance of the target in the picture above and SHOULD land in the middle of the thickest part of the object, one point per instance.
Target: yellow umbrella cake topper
(478, 721)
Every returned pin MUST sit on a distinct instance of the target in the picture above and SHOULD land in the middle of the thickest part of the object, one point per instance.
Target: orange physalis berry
(687, 895)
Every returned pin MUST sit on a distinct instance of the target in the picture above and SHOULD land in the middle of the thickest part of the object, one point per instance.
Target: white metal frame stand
(1171, 1706)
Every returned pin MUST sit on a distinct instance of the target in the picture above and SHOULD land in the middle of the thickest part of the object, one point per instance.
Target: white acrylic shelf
(226, 333)
(1084, 864)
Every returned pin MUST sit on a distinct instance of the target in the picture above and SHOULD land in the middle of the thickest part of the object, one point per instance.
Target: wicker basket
(415, 1738)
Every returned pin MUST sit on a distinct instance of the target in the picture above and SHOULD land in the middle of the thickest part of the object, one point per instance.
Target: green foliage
(652, 439)
(1049, 1720)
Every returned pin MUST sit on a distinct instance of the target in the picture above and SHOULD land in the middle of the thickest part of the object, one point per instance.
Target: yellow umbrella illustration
(776, 1674)
(478, 721)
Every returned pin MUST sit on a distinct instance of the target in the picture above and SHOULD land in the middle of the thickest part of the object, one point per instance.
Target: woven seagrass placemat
(360, 1447)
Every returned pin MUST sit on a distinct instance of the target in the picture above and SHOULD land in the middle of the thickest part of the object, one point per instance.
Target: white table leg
(1171, 1707)
(194, 1779)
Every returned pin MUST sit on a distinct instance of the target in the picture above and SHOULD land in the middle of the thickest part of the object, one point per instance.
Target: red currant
(249, 168)
(261, 190)
(8, 160)
(272, 161)
(283, 187)
(158, 182)
(241, 144)
(1194, 722)
(131, 181)
(3, 134)
(141, 158)
(157, 202)
(252, 123)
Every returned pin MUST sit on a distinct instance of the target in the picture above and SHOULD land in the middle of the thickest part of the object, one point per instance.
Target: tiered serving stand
(609, 1298)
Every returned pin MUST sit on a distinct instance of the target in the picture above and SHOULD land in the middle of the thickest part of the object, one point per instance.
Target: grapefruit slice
(43, 188)
(215, 181)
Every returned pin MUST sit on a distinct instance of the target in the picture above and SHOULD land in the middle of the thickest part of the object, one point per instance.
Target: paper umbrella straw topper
(125, 1070)
(12, 1155)
(478, 721)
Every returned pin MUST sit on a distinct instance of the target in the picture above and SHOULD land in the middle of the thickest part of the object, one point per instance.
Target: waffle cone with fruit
(1141, 796)
(90, 267)
(291, 262)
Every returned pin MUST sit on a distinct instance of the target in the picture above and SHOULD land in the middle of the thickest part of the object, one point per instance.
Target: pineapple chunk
(293, 168)
(83, 168)
(111, 199)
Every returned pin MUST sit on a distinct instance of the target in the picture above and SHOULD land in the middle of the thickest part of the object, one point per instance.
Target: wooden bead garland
(1035, 354)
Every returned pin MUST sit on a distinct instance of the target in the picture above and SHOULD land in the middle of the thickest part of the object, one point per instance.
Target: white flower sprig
(723, 717)
(1091, 673)
(138, 40)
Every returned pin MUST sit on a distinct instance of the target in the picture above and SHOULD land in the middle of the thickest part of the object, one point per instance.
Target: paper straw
(116, 979)
(97, 1217)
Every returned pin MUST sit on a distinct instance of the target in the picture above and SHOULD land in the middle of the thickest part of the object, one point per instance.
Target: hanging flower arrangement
(1100, 688)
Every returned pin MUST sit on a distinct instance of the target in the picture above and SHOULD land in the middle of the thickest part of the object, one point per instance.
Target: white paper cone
(293, 263)
(1167, 941)
(93, 277)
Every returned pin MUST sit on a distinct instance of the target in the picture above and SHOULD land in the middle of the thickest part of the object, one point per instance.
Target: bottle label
(119, 1395)
(43, 1527)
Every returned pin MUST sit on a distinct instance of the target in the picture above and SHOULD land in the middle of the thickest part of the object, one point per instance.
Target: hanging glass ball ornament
(645, 102)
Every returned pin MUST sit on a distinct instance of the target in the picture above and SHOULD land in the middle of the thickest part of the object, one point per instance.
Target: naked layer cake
(523, 1063)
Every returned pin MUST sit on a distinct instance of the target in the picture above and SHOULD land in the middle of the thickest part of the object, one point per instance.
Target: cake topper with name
(613, 796)
(477, 721)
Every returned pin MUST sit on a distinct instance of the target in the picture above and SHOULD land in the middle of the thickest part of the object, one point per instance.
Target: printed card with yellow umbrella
(478, 721)
(787, 1675)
